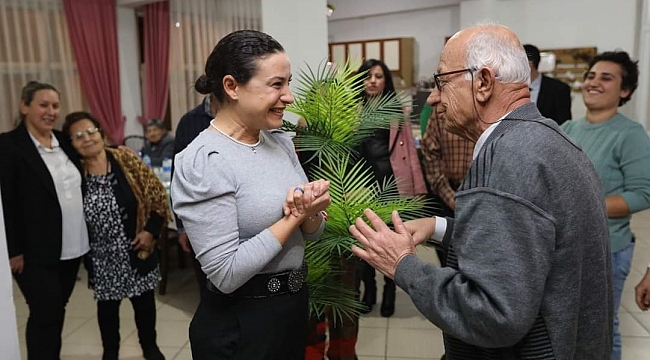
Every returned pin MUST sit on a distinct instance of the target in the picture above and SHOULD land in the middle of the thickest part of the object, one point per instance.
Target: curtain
(156, 60)
(93, 34)
(35, 45)
(196, 27)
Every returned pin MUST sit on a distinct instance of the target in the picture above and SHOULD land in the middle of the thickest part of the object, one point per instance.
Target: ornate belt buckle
(273, 285)
(296, 279)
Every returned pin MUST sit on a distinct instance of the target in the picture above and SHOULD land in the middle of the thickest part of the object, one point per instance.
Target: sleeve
(564, 103)
(635, 166)
(154, 224)
(205, 198)
(492, 297)
(168, 149)
(152, 190)
(10, 204)
(414, 162)
(181, 140)
(434, 164)
(286, 142)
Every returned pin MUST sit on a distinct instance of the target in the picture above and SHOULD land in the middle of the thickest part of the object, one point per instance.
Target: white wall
(301, 27)
(346, 9)
(642, 95)
(429, 26)
(127, 42)
(9, 339)
(606, 24)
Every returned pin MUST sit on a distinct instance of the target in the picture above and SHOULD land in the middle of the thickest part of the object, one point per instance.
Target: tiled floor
(405, 336)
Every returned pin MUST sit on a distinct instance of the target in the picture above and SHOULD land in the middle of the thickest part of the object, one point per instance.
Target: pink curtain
(93, 34)
(156, 60)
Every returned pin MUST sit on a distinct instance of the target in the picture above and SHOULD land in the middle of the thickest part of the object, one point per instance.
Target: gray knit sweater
(527, 272)
(228, 196)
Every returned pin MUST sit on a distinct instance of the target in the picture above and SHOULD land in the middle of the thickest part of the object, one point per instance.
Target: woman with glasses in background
(125, 207)
(42, 199)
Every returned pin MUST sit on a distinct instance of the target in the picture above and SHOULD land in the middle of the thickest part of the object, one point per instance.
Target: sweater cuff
(634, 202)
(403, 272)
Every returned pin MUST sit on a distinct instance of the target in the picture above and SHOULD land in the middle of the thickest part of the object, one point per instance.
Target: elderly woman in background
(125, 207)
(43, 210)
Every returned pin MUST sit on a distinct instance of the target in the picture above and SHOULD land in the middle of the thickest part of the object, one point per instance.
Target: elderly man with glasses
(527, 273)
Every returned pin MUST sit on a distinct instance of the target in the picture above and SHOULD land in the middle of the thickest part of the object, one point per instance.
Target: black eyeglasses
(80, 134)
(436, 76)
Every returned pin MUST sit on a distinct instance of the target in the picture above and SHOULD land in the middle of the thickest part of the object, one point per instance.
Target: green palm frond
(352, 190)
(328, 100)
(336, 124)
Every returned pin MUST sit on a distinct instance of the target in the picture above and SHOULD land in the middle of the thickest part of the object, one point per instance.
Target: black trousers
(108, 317)
(272, 328)
(47, 290)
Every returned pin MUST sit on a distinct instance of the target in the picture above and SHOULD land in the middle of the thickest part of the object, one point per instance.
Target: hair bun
(203, 85)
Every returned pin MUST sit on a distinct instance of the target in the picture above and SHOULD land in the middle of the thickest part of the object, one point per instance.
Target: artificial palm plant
(335, 125)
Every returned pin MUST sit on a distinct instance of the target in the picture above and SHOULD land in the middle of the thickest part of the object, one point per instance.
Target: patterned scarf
(146, 187)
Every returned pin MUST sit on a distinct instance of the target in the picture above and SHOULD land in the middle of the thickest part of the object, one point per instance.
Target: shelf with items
(397, 53)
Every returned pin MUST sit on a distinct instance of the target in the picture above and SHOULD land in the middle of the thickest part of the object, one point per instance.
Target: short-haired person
(552, 96)
(620, 150)
(160, 143)
(248, 207)
(527, 272)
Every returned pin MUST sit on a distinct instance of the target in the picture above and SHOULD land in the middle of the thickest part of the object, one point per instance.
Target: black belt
(267, 285)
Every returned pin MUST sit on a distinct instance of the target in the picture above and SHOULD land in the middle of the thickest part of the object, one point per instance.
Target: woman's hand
(307, 199)
(17, 263)
(143, 241)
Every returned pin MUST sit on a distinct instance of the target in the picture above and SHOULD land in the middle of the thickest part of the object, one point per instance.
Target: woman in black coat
(42, 199)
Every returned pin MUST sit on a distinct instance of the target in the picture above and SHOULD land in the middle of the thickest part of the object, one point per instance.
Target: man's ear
(484, 82)
(230, 87)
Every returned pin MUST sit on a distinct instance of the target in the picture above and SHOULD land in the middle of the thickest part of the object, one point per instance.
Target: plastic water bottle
(166, 172)
(147, 160)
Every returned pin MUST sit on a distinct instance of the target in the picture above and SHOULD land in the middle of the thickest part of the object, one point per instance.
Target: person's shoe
(153, 353)
(369, 299)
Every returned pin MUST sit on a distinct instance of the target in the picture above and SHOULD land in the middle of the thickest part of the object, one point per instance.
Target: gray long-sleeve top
(228, 194)
(528, 272)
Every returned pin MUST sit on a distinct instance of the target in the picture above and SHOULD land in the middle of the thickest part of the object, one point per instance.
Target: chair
(135, 142)
(168, 238)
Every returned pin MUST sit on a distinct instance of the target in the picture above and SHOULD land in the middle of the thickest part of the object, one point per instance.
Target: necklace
(251, 146)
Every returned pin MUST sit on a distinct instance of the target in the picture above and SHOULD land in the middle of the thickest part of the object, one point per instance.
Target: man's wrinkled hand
(421, 230)
(383, 248)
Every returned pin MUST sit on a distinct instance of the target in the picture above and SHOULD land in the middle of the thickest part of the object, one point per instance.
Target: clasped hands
(384, 248)
(307, 200)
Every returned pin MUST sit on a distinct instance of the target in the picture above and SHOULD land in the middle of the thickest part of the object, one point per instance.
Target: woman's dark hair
(236, 55)
(389, 88)
(75, 117)
(629, 70)
(28, 92)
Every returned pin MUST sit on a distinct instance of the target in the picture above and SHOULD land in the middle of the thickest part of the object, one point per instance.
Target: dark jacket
(189, 127)
(554, 100)
(158, 152)
(32, 213)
